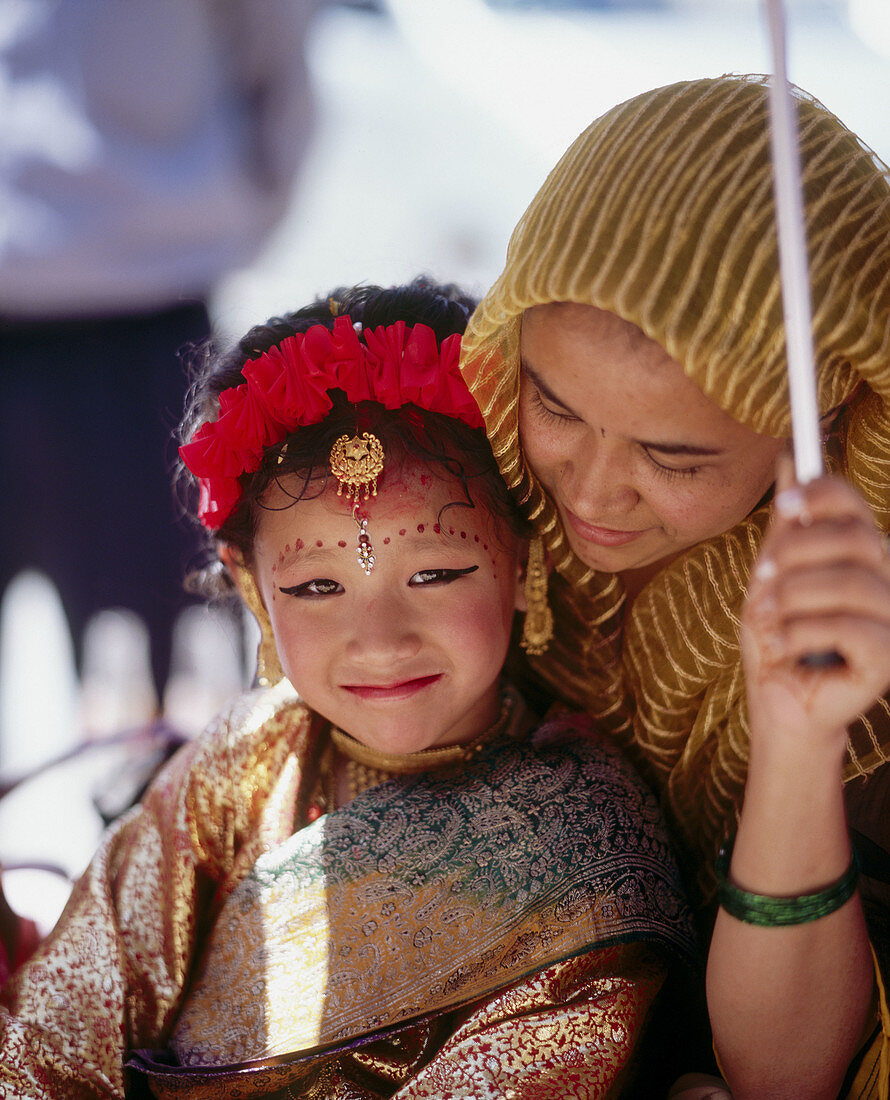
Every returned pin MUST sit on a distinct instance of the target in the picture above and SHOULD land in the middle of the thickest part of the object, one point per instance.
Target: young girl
(374, 877)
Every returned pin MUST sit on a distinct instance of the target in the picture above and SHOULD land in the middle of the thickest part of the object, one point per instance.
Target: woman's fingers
(829, 587)
(821, 585)
(863, 643)
(826, 497)
(826, 540)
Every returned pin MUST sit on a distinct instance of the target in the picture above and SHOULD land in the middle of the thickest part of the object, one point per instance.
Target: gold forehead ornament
(356, 463)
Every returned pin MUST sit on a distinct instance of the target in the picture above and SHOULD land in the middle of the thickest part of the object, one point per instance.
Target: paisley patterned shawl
(423, 895)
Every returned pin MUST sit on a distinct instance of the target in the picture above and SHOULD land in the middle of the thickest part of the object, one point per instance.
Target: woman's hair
(442, 444)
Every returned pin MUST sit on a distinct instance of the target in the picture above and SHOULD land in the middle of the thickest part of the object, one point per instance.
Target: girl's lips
(403, 689)
(602, 536)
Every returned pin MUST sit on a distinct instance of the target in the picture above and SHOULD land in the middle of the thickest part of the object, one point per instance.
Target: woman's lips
(602, 536)
(402, 689)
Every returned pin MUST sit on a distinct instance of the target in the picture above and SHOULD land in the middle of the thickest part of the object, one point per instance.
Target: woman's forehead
(604, 370)
(578, 315)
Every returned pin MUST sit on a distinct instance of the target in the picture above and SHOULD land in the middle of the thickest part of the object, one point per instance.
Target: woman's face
(639, 462)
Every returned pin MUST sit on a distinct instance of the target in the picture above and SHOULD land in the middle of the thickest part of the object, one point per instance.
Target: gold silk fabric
(662, 213)
(502, 928)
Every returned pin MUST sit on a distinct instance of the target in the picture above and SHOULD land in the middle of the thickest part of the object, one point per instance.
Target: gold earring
(268, 667)
(538, 627)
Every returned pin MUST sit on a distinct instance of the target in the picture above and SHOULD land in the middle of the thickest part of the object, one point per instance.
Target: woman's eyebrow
(662, 447)
(679, 448)
(539, 384)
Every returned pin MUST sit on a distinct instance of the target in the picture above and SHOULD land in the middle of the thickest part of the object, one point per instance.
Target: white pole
(793, 258)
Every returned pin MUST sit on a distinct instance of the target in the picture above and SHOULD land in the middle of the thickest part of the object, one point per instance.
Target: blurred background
(379, 140)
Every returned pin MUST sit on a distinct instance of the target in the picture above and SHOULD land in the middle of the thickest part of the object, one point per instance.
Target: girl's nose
(385, 632)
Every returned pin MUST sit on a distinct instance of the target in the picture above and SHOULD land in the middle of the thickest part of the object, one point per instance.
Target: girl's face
(640, 463)
(409, 656)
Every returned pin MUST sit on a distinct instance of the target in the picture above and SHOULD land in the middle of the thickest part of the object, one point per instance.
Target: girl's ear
(233, 560)
(268, 664)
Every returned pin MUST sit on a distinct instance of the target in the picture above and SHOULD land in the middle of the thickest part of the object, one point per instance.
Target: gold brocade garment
(502, 929)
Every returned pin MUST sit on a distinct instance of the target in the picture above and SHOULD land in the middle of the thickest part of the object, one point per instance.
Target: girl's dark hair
(443, 444)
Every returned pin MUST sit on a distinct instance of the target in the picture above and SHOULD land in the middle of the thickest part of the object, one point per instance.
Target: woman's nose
(596, 479)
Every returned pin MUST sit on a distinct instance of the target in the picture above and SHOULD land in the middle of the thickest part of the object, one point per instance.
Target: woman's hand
(822, 584)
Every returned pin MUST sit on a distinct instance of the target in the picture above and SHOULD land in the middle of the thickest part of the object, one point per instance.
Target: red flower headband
(287, 388)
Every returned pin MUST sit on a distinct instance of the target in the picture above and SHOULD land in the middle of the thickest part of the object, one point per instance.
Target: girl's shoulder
(257, 718)
(259, 729)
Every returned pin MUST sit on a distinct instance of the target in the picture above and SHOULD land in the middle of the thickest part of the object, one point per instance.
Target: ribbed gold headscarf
(662, 213)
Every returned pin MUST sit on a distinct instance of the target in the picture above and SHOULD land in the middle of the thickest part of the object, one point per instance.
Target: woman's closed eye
(425, 577)
(546, 413)
(671, 471)
(317, 587)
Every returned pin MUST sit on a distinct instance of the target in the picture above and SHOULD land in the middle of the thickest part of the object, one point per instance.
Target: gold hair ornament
(537, 629)
(356, 463)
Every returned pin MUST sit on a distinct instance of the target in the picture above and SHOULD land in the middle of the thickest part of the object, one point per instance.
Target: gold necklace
(367, 767)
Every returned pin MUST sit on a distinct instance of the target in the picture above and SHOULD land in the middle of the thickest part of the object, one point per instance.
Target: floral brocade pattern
(429, 892)
(114, 975)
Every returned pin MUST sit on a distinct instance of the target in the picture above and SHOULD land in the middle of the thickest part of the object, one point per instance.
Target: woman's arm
(789, 1005)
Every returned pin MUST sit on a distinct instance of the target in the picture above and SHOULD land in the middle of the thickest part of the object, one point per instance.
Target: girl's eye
(670, 472)
(546, 413)
(439, 576)
(320, 586)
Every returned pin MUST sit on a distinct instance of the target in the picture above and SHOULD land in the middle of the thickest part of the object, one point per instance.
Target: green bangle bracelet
(772, 912)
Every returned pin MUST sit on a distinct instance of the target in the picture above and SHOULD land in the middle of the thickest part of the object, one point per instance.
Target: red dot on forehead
(386, 541)
(318, 542)
(402, 531)
(437, 529)
(341, 543)
(420, 527)
(463, 534)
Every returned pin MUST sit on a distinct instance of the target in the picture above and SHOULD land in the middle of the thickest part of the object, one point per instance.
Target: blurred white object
(205, 669)
(870, 19)
(38, 680)
(37, 894)
(117, 690)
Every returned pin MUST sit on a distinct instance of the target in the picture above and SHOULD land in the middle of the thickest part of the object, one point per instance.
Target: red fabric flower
(207, 454)
(289, 387)
(244, 425)
(217, 500)
(293, 387)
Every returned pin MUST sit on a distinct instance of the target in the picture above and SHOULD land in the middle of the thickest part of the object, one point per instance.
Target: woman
(629, 363)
